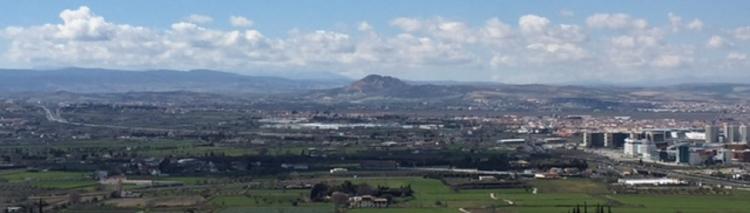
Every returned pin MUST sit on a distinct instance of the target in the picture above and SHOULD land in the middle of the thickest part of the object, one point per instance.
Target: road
(56, 117)
(655, 168)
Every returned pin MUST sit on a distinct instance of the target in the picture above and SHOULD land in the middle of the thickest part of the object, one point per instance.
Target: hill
(82, 80)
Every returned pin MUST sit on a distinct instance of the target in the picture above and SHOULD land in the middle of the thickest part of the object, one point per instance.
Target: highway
(56, 117)
(655, 168)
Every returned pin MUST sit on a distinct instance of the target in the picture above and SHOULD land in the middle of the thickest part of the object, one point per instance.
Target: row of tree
(321, 191)
(597, 209)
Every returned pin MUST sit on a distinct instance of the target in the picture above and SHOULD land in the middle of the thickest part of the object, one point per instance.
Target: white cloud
(742, 33)
(533, 23)
(735, 56)
(696, 25)
(364, 26)
(496, 32)
(716, 42)
(502, 60)
(675, 21)
(615, 21)
(407, 24)
(82, 24)
(554, 52)
(537, 45)
(199, 19)
(624, 41)
(669, 61)
(239, 21)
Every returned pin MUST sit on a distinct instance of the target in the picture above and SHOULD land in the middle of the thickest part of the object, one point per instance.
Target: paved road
(621, 165)
(56, 117)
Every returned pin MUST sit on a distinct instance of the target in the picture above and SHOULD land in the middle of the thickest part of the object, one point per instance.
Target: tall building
(632, 146)
(683, 154)
(656, 136)
(744, 133)
(712, 134)
(731, 133)
(609, 141)
(614, 139)
(640, 148)
(595, 139)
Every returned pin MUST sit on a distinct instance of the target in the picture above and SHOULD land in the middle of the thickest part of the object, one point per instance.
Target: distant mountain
(378, 86)
(376, 89)
(81, 80)
(379, 89)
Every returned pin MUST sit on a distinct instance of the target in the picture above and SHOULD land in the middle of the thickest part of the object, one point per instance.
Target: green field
(554, 196)
(49, 179)
(286, 201)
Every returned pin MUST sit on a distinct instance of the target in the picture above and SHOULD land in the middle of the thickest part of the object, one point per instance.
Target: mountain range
(83, 80)
(373, 88)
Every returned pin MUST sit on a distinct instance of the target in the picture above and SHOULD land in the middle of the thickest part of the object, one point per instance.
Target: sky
(561, 42)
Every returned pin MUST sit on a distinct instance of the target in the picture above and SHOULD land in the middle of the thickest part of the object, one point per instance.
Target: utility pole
(41, 208)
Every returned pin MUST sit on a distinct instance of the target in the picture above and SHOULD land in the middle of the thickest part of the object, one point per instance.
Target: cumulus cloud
(364, 26)
(696, 25)
(742, 33)
(199, 19)
(533, 23)
(735, 56)
(677, 24)
(615, 21)
(716, 42)
(536, 44)
(669, 61)
(239, 21)
(675, 21)
(496, 32)
(84, 25)
(554, 52)
(407, 24)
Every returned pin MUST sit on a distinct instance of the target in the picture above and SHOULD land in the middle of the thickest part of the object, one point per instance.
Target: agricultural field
(553, 196)
(49, 179)
(286, 201)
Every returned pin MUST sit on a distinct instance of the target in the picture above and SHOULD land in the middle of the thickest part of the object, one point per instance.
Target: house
(487, 178)
(14, 209)
(338, 170)
(367, 201)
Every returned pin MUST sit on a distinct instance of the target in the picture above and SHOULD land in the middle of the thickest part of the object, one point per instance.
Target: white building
(640, 148)
(695, 136)
(367, 201)
(652, 182)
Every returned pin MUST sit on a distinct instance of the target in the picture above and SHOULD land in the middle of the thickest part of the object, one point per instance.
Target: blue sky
(560, 42)
(278, 16)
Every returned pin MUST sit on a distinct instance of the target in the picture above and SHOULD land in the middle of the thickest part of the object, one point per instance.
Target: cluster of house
(367, 201)
(556, 173)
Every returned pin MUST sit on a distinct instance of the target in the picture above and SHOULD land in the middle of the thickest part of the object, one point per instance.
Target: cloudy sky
(570, 42)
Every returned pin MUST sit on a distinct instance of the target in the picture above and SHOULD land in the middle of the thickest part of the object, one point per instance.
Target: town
(82, 157)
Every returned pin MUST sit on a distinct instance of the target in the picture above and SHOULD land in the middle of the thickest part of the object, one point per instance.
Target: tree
(74, 197)
(340, 200)
(318, 192)
(585, 207)
(364, 189)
